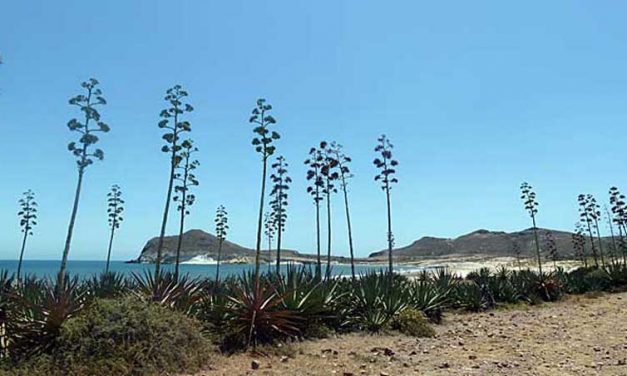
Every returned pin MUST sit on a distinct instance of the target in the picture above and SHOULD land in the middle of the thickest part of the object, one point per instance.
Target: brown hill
(200, 243)
(482, 242)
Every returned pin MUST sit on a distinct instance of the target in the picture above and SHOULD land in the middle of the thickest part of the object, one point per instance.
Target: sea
(87, 269)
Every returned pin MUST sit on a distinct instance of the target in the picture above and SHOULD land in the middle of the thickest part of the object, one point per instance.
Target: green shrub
(123, 337)
(598, 280)
(412, 322)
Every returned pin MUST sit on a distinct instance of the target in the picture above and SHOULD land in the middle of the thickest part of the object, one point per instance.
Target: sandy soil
(579, 336)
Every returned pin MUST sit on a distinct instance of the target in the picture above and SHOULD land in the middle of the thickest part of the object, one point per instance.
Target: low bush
(412, 322)
(123, 337)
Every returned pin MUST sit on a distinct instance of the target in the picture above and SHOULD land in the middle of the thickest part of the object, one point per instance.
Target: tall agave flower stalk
(531, 205)
(222, 227)
(589, 213)
(345, 175)
(619, 217)
(613, 251)
(517, 253)
(82, 150)
(278, 203)
(262, 141)
(186, 179)
(579, 244)
(387, 169)
(28, 220)
(315, 187)
(330, 174)
(269, 226)
(551, 249)
(171, 121)
(115, 209)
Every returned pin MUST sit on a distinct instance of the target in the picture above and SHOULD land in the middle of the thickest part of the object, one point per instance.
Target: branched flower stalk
(330, 174)
(612, 253)
(343, 162)
(269, 225)
(115, 209)
(589, 214)
(531, 206)
(186, 179)
(619, 212)
(551, 249)
(387, 169)
(579, 244)
(278, 202)
(82, 150)
(174, 126)
(517, 253)
(222, 227)
(315, 162)
(28, 220)
(263, 143)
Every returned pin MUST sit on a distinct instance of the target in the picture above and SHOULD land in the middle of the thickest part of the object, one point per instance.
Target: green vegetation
(413, 323)
(62, 327)
(164, 323)
(123, 337)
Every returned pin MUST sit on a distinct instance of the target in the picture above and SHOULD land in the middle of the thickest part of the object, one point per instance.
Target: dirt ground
(581, 335)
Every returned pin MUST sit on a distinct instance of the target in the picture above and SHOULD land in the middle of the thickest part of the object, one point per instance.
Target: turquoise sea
(48, 268)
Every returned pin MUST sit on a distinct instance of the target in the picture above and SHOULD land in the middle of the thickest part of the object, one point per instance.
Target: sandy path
(579, 336)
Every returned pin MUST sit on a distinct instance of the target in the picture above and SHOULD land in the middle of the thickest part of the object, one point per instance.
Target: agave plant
(376, 299)
(528, 195)
(182, 294)
(313, 300)
(87, 129)
(256, 314)
(36, 322)
(430, 298)
(28, 220)
(281, 184)
(186, 179)
(263, 142)
(470, 296)
(171, 121)
(589, 214)
(115, 209)
(107, 285)
(315, 162)
(387, 166)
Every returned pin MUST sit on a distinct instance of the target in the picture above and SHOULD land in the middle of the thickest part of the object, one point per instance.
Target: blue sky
(476, 96)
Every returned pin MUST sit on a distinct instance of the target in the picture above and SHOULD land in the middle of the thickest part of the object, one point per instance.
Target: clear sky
(476, 96)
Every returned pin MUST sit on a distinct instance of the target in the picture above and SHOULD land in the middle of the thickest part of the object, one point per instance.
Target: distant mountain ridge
(483, 242)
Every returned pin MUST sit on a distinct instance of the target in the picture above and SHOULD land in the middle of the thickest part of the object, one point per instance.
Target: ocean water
(85, 269)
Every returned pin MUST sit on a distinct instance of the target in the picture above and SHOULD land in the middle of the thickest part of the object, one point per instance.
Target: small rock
(284, 359)
(444, 365)
(472, 357)
(348, 374)
(255, 364)
(384, 374)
